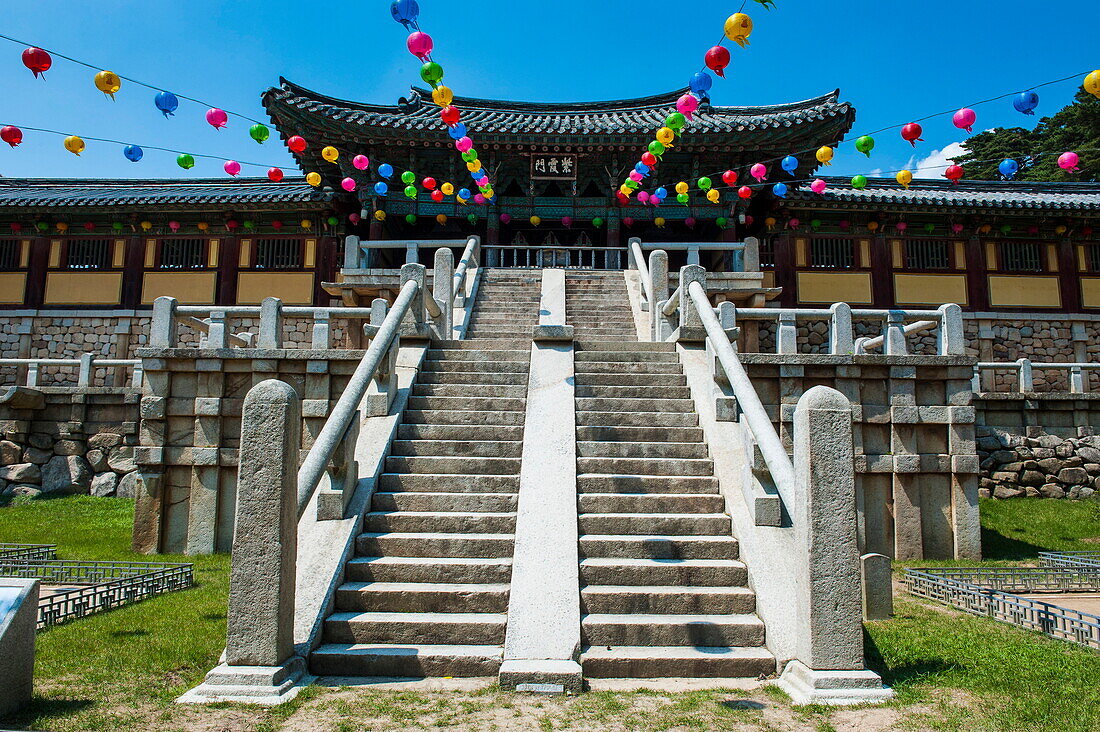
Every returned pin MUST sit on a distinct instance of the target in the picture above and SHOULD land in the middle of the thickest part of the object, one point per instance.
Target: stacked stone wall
(1046, 466)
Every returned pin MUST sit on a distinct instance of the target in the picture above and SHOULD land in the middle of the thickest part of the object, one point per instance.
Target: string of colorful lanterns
(420, 44)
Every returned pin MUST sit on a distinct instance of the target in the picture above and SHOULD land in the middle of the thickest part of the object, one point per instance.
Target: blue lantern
(780, 190)
(1009, 168)
(385, 170)
(790, 164)
(167, 103)
(661, 193)
(381, 189)
(405, 12)
(133, 153)
(642, 168)
(701, 83)
(1026, 102)
(457, 132)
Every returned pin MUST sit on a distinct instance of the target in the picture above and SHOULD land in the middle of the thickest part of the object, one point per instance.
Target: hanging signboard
(553, 166)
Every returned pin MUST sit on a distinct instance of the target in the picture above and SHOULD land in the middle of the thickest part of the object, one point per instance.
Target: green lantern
(859, 182)
(410, 218)
(259, 133)
(815, 224)
(705, 183)
(597, 222)
(722, 222)
(42, 226)
(472, 218)
(675, 121)
(333, 221)
(929, 228)
(410, 191)
(431, 73)
(249, 225)
(186, 161)
(656, 148)
(683, 198)
(117, 226)
(408, 177)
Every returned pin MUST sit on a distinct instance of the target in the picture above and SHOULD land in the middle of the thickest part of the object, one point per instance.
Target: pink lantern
(690, 222)
(687, 105)
(794, 223)
(348, 184)
(354, 218)
(759, 171)
(174, 226)
(567, 221)
(232, 167)
(1033, 229)
(505, 218)
(1068, 161)
(361, 162)
(628, 222)
(636, 177)
(420, 45)
(479, 199)
(217, 118)
(643, 197)
(818, 186)
(844, 224)
(464, 144)
(965, 118)
(654, 201)
(957, 228)
(901, 226)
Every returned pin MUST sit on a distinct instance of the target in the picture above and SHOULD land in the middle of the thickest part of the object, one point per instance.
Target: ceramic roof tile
(965, 194)
(37, 192)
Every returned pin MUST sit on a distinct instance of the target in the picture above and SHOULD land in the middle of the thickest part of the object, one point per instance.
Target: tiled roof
(965, 194)
(41, 192)
(639, 116)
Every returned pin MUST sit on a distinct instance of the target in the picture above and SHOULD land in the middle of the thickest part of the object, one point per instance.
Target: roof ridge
(1024, 186)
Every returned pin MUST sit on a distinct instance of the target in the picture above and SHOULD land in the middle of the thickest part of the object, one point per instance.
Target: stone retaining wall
(1046, 466)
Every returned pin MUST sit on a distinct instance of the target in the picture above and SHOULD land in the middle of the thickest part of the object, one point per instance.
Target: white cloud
(936, 162)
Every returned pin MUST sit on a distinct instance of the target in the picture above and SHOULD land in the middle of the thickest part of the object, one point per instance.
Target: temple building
(119, 244)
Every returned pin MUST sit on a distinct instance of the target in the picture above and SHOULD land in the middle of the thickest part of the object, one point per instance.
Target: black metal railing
(27, 552)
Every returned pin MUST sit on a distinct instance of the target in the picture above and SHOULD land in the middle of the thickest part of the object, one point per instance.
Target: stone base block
(263, 685)
(689, 334)
(553, 333)
(543, 676)
(837, 688)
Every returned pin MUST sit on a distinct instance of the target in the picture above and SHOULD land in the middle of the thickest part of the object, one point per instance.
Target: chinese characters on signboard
(553, 167)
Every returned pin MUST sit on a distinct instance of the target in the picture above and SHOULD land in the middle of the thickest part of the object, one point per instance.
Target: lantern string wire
(130, 79)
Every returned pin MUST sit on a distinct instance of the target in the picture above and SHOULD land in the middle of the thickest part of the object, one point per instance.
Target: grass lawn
(121, 670)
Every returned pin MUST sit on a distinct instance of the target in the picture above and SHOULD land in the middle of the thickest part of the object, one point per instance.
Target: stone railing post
(412, 253)
(322, 331)
(271, 323)
(164, 330)
(382, 389)
(351, 252)
(658, 278)
(1080, 341)
(752, 254)
(1027, 376)
(828, 665)
(952, 339)
(414, 325)
(443, 292)
(1076, 380)
(786, 333)
(840, 330)
(693, 255)
(85, 370)
(691, 325)
(33, 371)
(893, 336)
(260, 664)
(218, 334)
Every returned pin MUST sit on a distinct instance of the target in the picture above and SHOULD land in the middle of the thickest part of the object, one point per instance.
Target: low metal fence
(27, 552)
(1085, 561)
(99, 586)
(982, 591)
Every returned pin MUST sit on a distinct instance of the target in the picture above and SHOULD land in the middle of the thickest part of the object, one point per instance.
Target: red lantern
(296, 144)
(649, 159)
(437, 196)
(748, 221)
(623, 198)
(729, 177)
(628, 222)
(744, 192)
(954, 173)
(37, 60)
(89, 226)
(450, 115)
(428, 183)
(911, 133)
(11, 135)
(276, 224)
(275, 175)
(717, 59)
(16, 228)
(232, 224)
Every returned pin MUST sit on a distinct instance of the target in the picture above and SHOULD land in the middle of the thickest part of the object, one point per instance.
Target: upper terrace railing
(358, 253)
(1025, 368)
(745, 254)
(522, 256)
(33, 371)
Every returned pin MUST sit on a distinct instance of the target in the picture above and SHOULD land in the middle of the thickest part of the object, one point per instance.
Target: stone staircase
(663, 593)
(598, 307)
(427, 593)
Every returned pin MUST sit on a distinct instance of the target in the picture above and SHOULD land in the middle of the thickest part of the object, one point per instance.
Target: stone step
(475, 366)
(433, 628)
(635, 419)
(597, 345)
(645, 571)
(406, 661)
(442, 483)
(656, 548)
(418, 544)
(612, 379)
(630, 356)
(612, 391)
(497, 345)
(439, 501)
(447, 522)
(461, 417)
(487, 570)
(472, 356)
(421, 597)
(681, 503)
(640, 434)
(453, 465)
(470, 404)
(667, 599)
(649, 484)
(654, 662)
(608, 449)
(632, 466)
(519, 331)
(601, 404)
(637, 629)
(455, 378)
(662, 524)
(624, 367)
(459, 432)
(456, 448)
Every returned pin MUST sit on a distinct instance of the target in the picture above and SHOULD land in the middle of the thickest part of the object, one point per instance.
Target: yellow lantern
(535, 221)
(203, 226)
(770, 222)
(681, 187)
(872, 226)
(626, 190)
(985, 228)
(825, 155)
(474, 166)
(108, 83)
(904, 178)
(146, 225)
(447, 189)
(665, 136)
(74, 144)
(62, 226)
(739, 28)
(489, 193)
(660, 222)
(379, 215)
(330, 154)
(1060, 229)
(442, 96)
(1092, 83)
(314, 179)
(441, 218)
(713, 195)
(307, 224)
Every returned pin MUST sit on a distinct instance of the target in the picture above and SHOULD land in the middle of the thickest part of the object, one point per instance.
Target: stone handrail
(1025, 369)
(468, 261)
(86, 365)
(637, 261)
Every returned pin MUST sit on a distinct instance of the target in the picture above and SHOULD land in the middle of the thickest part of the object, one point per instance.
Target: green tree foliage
(1075, 128)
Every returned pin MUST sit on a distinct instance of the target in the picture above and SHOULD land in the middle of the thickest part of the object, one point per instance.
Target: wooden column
(1069, 279)
(784, 269)
(977, 284)
(37, 265)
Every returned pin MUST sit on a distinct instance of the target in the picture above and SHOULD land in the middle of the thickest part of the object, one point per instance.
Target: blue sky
(895, 61)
